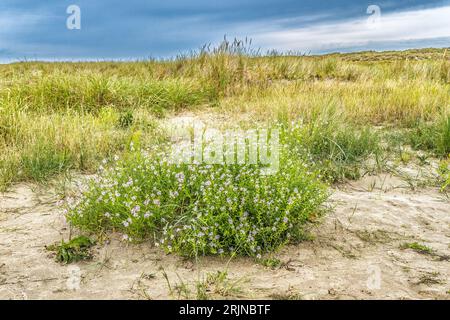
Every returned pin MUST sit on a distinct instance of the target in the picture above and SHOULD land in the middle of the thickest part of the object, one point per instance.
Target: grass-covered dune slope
(336, 113)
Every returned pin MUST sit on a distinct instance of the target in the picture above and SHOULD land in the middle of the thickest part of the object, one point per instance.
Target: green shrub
(200, 209)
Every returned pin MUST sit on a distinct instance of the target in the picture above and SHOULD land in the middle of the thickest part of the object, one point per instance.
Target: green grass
(432, 136)
(420, 248)
(69, 116)
(444, 174)
(39, 146)
(212, 285)
(333, 147)
(272, 263)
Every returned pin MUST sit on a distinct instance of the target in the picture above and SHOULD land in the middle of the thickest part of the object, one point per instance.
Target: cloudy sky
(132, 29)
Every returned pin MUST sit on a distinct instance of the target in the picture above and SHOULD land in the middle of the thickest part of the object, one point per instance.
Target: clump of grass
(272, 263)
(125, 119)
(420, 248)
(217, 284)
(431, 136)
(430, 278)
(74, 250)
(178, 290)
(213, 285)
(444, 173)
(289, 294)
(43, 160)
(337, 150)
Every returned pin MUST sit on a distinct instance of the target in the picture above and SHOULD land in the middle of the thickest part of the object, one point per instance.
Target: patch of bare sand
(355, 253)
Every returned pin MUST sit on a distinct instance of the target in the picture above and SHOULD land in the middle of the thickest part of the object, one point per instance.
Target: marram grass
(56, 117)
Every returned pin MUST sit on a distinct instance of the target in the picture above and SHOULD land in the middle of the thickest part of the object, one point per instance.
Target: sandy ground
(355, 253)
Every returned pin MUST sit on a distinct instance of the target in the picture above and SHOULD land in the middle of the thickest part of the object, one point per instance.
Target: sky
(132, 29)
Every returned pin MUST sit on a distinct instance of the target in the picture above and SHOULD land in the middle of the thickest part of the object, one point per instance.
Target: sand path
(355, 252)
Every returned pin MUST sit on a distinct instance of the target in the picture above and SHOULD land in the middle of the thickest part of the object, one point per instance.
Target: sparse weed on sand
(209, 286)
(420, 248)
(73, 250)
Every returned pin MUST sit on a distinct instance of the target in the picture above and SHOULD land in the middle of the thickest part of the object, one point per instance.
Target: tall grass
(336, 150)
(60, 116)
(431, 136)
(38, 146)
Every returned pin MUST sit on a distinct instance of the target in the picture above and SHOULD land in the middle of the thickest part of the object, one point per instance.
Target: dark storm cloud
(138, 29)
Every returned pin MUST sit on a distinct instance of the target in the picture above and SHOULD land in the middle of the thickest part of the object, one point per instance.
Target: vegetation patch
(290, 294)
(338, 151)
(56, 117)
(213, 285)
(431, 136)
(73, 250)
(420, 248)
(201, 209)
(444, 174)
(272, 263)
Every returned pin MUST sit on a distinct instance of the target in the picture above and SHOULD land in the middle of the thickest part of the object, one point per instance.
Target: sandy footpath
(355, 253)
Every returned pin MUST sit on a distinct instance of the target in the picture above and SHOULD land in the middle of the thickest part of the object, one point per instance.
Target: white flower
(135, 210)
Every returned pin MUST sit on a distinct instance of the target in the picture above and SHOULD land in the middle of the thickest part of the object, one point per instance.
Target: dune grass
(63, 116)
